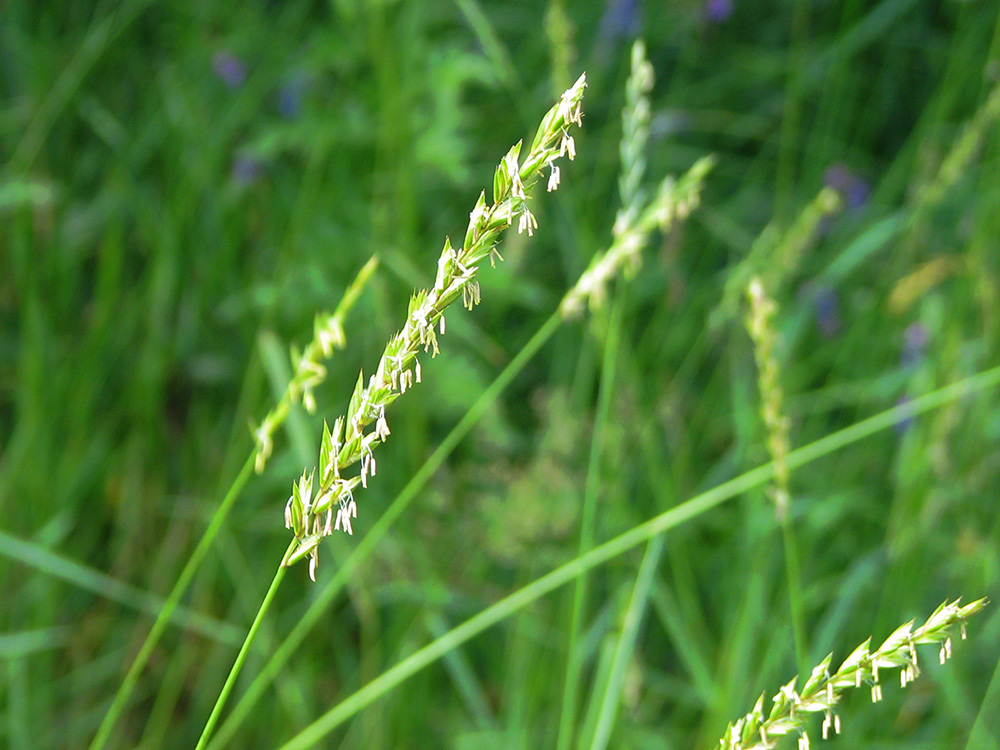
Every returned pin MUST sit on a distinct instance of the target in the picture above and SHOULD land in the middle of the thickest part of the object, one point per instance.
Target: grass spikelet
(312, 517)
(791, 710)
(760, 324)
(775, 254)
(636, 218)
(308, 369)
(959, 157)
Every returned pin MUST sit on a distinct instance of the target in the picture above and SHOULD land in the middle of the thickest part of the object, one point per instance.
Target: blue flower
(827, 312)
(620, 19)
(717, 11)
(246, 169)
(292, 94)
(229, 68)
(854, 188)
(914, 345)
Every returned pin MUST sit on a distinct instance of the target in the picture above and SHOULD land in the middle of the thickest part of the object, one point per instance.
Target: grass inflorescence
(311, 517)
(568, 542)
(790, 710)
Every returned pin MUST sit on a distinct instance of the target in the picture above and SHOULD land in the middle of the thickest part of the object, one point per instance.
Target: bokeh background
(185, 185)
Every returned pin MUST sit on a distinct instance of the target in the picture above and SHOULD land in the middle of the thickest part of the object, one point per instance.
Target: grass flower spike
(312, 515)
(760, 324)
(638, 216)
(790, 710)
(308, 368)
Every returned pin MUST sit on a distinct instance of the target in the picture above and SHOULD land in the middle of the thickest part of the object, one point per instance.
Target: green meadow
(722, 398)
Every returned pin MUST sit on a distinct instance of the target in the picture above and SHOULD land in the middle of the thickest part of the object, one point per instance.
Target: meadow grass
(182, 191)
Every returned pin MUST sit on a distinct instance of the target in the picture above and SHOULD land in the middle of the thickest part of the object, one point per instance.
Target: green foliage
(186, 188)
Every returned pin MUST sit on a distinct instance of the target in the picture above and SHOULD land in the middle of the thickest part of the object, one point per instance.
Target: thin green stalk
(128, 684)
(791, 111)
(88, 579)
(309, 372)
(981, 736)
(672, 203)
(18, 730)
(241, 657)
(385, 521)
(574, 659)
(794, 579)
(624, 542)
(612, 690)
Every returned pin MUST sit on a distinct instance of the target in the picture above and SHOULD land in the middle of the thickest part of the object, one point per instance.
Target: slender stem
(790, 546)
(981, 736)
(611, 697)
(574, 659)
(128, 684)
(322, 600)
(37, 556)
(621, 544)
(241, 657)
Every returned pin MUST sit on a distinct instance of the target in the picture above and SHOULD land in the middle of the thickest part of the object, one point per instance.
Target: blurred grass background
(185, 185)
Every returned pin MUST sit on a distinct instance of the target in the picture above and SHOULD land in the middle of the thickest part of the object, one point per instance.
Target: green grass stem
(86, 578)
(591, 493)
(623, 543)
(241, 657)
(128, 684)
(379, 529)
(609, 694)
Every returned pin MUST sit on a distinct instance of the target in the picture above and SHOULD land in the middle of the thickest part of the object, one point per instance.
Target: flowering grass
(570, 540)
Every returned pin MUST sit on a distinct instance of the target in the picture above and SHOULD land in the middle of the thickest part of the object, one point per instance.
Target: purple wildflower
(827, 311)
(291, 95)
(717, 11)
(229, 68)
(620, 19)
(858, 192)
(853, 187)
(246, 169)
(914, 345)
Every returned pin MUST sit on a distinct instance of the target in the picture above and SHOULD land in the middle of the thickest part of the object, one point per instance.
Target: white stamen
(553, 178)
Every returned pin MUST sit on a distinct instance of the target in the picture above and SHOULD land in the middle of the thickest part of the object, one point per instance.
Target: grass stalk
(363, 427)
(574, 655)
(624, 542)
(821, 692)
(241, 657)
(309, 372)
(128, 683)
(610, 696)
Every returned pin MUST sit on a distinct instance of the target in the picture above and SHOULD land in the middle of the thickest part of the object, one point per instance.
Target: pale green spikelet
(775, 254)
(760, 324)
(637, 218)
(791, 710)
(959, 157)
(308, 370)
(354, 437)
